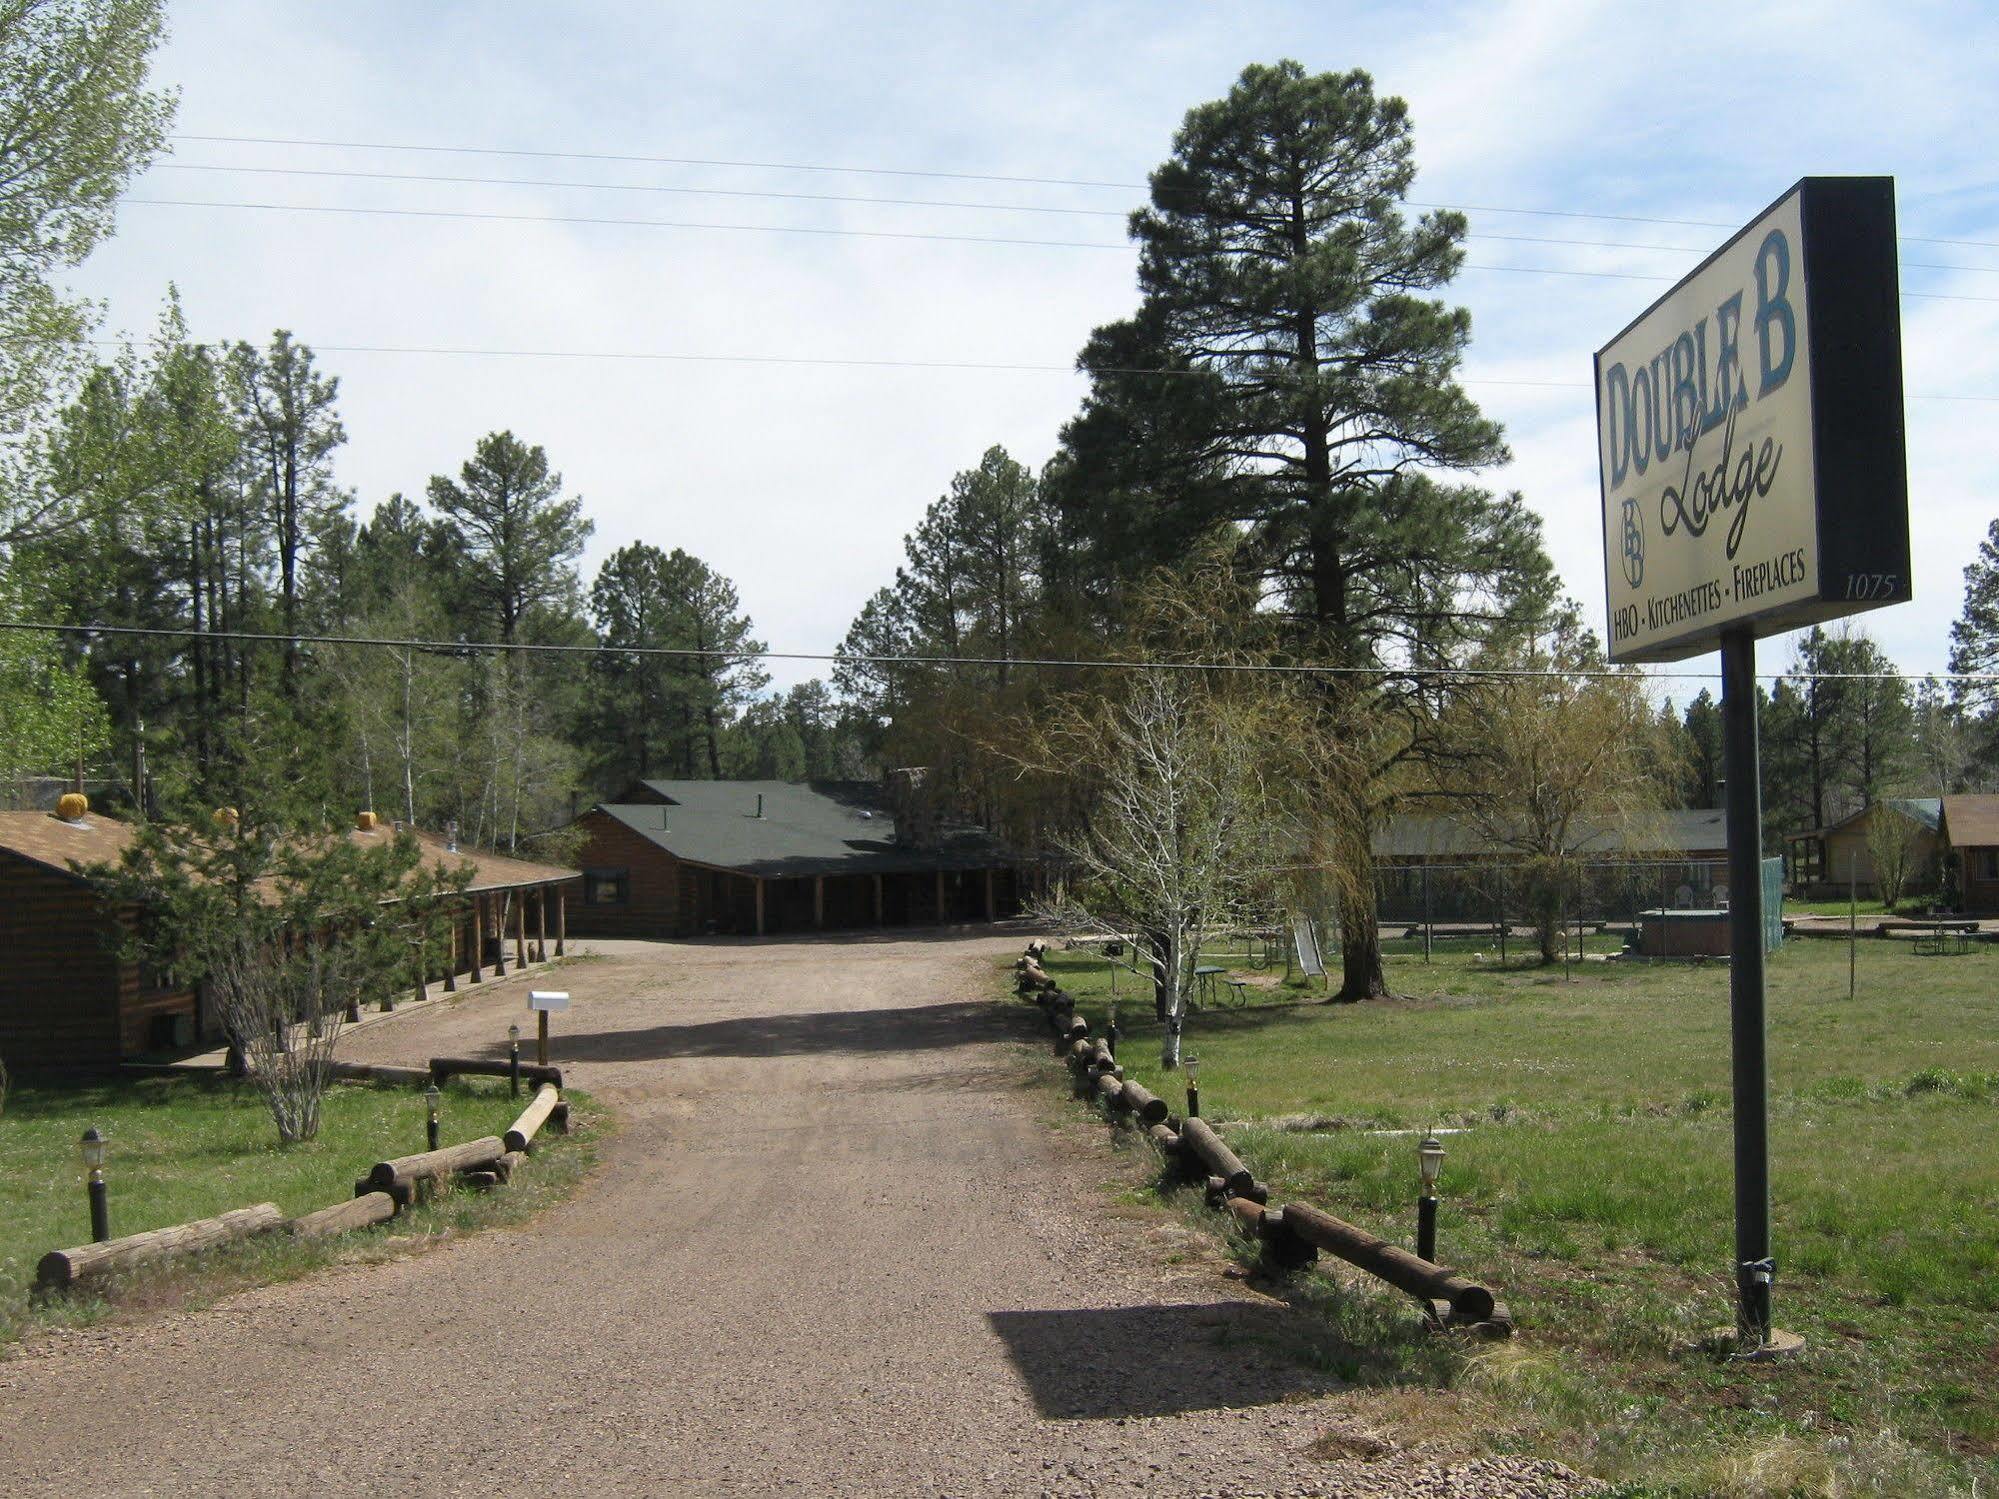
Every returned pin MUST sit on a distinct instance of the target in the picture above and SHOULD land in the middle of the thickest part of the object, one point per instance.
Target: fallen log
(444, 1068)
(1148, 1106)
(1397, 1266)
(520, 1134)
(357, 1212)
(1165, 1138)
(1110, 1088)
(1080, 1051)
(1199, 1137)
(1282, 1246)
(406, 1171)
(1068, 1035)
(373, 1072)
(65, 1267)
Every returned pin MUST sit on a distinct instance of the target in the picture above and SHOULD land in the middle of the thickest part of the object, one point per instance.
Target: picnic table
(1204, 979)
(1943, 939)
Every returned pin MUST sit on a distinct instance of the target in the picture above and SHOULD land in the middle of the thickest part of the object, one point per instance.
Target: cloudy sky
(799, 479)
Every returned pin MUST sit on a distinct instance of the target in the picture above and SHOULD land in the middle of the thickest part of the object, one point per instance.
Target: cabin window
(1988, 863)
(606, 887)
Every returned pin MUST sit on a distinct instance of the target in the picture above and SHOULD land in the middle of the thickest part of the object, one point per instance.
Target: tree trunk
(1176, 1005)
(1361, 975)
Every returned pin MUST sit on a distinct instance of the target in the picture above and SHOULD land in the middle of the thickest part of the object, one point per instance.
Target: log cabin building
(69, 1002)
(751, 858)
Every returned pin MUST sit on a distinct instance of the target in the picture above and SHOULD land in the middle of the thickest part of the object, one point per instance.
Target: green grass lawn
(1591, 1187)
(190, 1146)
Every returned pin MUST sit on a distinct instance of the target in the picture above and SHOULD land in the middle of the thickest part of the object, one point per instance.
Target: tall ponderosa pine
(651, 715)
(521, 536)
(1289, 375)
(290, 429)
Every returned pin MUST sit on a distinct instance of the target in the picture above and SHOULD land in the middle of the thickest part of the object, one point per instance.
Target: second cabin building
(688, 858)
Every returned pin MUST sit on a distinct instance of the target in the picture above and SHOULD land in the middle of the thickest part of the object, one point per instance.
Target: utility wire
(844, 233)
(795, 166)
(850, 198)
(815, 361)
(500, 647)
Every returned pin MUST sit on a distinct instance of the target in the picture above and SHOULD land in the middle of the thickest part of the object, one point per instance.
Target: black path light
(1193, 1066)
(100, 1196)
(432, 1097)
(514, 1058)
(1110, 1031)
(1430, 1163)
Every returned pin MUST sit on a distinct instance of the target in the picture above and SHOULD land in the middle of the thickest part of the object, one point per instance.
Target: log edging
(1291, 1235)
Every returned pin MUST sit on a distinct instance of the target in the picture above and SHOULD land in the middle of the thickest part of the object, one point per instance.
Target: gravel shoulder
(834, 1247)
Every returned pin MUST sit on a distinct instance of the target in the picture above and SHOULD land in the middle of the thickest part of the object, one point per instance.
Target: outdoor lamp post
(100, 1200)
(1110, 1031)
(1193, 1066)
(432, 1097)
(1430, 1161)
(514, 1058)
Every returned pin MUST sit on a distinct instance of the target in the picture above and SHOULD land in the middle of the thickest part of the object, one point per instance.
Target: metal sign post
(1753, 1266)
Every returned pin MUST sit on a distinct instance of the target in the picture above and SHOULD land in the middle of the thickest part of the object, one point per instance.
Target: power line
(845, 233)
(500, 647)
(795, 166)
(810, 361)
(551, 218)
(849, 198)
(643, 187)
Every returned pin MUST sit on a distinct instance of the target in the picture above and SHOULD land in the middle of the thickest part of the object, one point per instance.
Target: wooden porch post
(451, 960)
(940, 897)
(541, 924)
(500, 935)
(992, 911)
(880, 920)
(521, 929)
(760, 905)
(561, 920)
(478, 939)
(819, 900)
(422, 974)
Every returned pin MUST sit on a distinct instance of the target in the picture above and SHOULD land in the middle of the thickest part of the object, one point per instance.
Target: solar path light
(432, 1097)
(1193, 1066)
(1429, 1162)
(514, 1058)
(100, 1200)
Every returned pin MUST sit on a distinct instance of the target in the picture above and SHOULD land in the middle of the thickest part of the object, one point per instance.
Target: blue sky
(799, 481)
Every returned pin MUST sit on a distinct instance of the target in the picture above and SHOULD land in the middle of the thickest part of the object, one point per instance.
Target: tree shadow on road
(910, 1028)
(1093, 1364)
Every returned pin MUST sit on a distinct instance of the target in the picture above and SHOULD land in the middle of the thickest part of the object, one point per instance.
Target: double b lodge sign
(1750, 436)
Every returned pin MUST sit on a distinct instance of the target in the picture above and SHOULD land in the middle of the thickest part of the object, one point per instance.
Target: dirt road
(835, 1248)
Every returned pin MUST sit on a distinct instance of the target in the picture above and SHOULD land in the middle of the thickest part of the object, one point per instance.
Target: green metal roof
(807, 828)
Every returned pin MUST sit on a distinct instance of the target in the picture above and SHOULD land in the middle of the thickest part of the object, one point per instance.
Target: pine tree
(520, 537)
(1290, 376)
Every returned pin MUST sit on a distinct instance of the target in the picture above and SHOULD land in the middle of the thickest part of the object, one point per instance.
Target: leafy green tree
(1290, 376)
(76, 123)
(519, 534)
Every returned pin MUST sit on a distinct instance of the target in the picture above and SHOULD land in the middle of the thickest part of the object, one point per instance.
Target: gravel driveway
(834, 1248)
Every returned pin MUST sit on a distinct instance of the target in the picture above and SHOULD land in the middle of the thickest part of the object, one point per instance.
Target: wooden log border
(388, 1188)
(1291, 1235)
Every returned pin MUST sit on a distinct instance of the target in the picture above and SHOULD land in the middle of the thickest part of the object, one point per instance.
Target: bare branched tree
(1170, 852)
(283, 1009)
